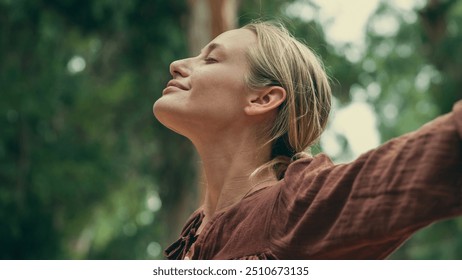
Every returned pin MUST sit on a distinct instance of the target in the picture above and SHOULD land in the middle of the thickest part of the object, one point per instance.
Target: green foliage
(82, 161)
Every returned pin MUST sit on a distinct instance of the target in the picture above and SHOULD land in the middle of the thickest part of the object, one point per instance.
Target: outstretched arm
(367, 208)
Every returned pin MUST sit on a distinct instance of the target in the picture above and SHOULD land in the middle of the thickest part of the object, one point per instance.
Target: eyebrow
(211, 47)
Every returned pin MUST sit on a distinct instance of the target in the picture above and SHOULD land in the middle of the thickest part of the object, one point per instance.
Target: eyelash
(209, 60)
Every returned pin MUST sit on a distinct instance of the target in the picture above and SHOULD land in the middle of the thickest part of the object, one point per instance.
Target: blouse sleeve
(366, 209)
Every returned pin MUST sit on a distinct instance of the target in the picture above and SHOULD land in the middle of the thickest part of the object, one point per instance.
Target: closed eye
(210, 60)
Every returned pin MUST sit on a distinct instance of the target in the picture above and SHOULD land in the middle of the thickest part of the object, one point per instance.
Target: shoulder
(306, 167)
(305, 177)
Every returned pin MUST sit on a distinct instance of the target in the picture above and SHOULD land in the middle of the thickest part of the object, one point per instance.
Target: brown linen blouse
(361, 210)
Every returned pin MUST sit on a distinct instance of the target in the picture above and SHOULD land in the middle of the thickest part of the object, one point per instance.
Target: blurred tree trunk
(433, 17)
(443, 51)
(210, 18)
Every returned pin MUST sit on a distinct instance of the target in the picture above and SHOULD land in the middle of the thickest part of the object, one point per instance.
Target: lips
(175, 83)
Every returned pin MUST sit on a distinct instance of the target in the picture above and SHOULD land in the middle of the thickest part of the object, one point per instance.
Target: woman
(252, 102)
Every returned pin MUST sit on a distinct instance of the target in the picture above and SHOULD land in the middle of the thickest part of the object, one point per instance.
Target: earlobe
(265, 100)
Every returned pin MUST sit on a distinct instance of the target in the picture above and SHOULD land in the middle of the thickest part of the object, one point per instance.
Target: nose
(179, 67)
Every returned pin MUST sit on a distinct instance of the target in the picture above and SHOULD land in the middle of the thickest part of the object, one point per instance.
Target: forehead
(235, 40)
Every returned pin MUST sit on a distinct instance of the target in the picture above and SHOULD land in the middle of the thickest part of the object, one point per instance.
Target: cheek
(225, 91)
(218, 79)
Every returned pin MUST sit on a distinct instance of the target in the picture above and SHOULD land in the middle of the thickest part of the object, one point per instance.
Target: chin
(155, 110)
(162, 112)
(165, 115)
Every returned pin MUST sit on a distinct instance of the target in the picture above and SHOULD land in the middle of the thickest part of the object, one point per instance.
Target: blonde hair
(279, 59)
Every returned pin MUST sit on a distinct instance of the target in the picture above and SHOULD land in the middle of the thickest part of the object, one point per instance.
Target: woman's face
(207, 94)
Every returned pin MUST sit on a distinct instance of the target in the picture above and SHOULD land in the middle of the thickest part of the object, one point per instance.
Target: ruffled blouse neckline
(179, 249)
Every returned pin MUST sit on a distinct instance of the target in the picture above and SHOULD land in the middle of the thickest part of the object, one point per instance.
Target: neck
(227, 166)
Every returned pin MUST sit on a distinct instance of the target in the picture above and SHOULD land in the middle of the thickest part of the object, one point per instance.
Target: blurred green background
(86, 172)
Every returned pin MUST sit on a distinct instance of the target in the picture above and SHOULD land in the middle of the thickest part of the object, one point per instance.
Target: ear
(265, 100)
